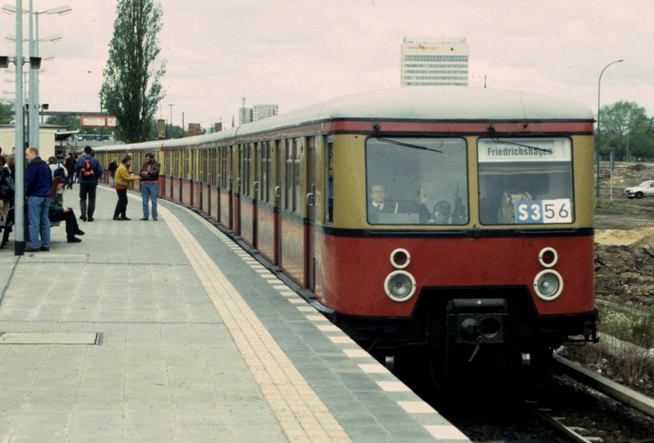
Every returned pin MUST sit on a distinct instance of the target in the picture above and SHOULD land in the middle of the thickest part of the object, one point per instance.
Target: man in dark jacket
(89, 171)
(38, 180)
(150, 185)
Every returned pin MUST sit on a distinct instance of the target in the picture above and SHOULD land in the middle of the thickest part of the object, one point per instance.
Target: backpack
(59, 172)
(7, 187)
(87, 171)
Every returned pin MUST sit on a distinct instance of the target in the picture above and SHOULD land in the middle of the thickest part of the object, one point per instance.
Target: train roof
(409, 103)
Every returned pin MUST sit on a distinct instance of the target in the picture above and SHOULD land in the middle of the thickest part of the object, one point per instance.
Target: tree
(131, 88)
(627, 131)
(70, 122)
(6, 112)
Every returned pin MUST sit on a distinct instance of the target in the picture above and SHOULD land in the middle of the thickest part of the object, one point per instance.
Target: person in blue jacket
(89, 171)
(38, 180)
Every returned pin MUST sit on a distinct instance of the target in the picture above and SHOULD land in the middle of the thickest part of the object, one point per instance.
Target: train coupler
(477, 321)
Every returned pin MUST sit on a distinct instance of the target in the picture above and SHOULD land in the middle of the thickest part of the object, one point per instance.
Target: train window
(298, 147)
(525, 181)
(185, 164)
(330, 181)
(265, 171)
(416, 181)
(288, 188)
(253, 170)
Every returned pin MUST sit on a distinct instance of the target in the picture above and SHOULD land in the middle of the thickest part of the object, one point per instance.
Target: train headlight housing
(548, 257)
(400, 258)
(400, 286)
(548, 284)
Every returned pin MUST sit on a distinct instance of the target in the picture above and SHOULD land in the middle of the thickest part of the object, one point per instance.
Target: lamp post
(34, 67)
(599, 136)
(19, 209)
(171, 118)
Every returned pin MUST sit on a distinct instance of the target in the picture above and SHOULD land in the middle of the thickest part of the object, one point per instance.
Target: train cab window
(525, 181)
(416, 181)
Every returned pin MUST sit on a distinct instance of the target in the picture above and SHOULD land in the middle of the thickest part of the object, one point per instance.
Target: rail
(608, 387)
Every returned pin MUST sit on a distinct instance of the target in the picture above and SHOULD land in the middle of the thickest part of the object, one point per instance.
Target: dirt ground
(624, 241)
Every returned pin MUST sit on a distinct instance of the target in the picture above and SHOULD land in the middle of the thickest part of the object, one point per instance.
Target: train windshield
(525, 181)
(416, 181)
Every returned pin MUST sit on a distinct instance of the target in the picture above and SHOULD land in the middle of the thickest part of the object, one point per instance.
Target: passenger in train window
(383, 210)
(442, 213)
(378, 204)
(123, 180)
(150, 185)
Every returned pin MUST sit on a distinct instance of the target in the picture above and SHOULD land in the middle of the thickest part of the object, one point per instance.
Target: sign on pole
(109, 121)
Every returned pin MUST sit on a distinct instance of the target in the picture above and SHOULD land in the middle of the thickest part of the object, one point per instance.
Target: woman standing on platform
(57, 212)
(123, 181)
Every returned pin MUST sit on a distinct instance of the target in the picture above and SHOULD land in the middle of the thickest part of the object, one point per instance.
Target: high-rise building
(244, 115)
(260, 112)
(434, 63)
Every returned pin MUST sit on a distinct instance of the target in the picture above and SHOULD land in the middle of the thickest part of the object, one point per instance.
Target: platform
(168, 331)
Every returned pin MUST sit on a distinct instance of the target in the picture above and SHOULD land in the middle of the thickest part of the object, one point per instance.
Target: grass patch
(624, 206)
(638, 330)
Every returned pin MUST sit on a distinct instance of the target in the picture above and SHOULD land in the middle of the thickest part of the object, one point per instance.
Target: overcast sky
(299, 52)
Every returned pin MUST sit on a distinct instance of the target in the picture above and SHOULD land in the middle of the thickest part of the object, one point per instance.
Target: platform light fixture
(599, 134)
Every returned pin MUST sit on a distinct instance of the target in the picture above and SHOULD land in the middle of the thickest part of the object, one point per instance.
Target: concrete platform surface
(169, 332)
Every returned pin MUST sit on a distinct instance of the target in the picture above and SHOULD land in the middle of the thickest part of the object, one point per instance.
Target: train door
(255, 187)
(310, 211)
(277, 197)
(236, 188)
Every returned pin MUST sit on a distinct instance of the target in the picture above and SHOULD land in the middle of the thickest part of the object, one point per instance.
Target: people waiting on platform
(57, 168)
(89, 171)
(69, 163)
(38, 181)
(123, 180)
(7, 190)
(112, 172)
(150, 185)
(58, 213)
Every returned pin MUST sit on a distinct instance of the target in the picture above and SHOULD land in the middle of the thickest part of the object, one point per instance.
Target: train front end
(471, 241)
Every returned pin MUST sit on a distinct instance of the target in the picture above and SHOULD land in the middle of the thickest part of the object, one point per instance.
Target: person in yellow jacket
(123, 180)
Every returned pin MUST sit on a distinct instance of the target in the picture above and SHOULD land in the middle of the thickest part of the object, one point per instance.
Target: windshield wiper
(409, 145)
(497, 140)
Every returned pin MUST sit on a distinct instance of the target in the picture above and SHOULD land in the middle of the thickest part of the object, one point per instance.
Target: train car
(455, 221)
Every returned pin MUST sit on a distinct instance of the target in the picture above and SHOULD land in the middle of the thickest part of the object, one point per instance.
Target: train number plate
(543, 211)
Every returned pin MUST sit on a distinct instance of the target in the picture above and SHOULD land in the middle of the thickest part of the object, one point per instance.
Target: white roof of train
(408, 103)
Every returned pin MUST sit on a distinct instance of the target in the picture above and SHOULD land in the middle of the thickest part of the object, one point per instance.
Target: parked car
(645, 189)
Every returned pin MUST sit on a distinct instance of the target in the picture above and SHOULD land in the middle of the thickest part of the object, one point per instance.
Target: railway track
(574, 427)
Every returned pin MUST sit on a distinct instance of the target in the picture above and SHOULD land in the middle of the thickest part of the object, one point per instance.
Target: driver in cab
(382, 210)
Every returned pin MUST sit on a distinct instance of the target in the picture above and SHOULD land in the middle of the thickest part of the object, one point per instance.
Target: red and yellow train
(455, 220)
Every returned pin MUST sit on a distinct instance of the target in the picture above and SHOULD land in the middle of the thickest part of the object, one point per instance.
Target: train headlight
(548, 257)
(400, 258)
(548, 284)
(400, 286)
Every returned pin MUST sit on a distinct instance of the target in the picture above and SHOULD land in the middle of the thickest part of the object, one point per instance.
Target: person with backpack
(89, 171)
(57, 169)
